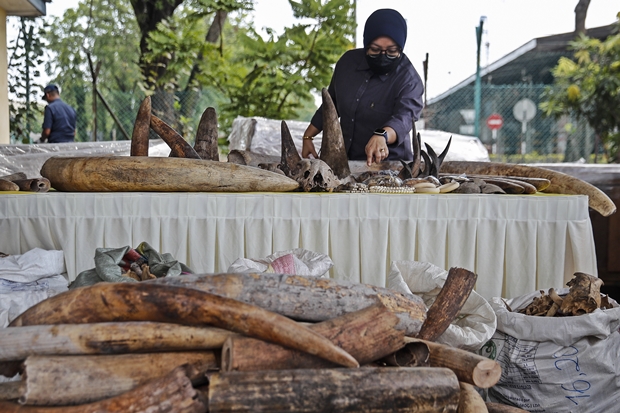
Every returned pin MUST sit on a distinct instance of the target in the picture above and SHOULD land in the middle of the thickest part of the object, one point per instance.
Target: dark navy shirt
(60, 119)
(366, 102)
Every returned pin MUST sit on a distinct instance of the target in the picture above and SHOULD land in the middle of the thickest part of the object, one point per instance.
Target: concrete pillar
(4, 83)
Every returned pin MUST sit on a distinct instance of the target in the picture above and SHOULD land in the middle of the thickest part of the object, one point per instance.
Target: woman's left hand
(376, 150)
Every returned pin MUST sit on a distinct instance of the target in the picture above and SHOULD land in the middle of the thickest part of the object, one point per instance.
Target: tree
(588, 87)
(157, 17)
(581, 11)
(246, 74)
(276, 76)
(149, 14)
(26, 54)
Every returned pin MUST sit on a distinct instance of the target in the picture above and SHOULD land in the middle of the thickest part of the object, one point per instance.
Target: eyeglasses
(391, 52)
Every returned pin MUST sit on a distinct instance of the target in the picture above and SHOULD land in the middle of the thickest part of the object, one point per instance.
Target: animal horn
(290, 156)
(333, 151)
(434, 170)
(141, 127)
(427, 165)
(443, 154)
(417, 160)
(179, 147)
(206, 136)
(441, 157)
(405, 172)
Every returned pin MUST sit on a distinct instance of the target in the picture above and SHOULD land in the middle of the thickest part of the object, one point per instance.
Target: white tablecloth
(516, 244)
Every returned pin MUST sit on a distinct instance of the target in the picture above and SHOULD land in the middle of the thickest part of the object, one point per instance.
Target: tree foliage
(197, 53)
(588, 87)
(249, 75)
(272, 78)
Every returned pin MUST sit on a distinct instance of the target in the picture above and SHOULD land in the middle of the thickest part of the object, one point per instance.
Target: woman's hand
(376, 150)
(307, 149)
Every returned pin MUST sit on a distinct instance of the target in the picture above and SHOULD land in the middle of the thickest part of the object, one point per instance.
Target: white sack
(15, 298)
(556, 364)
(476, 322)
(28, 279)
(32, 266)
(297, 261)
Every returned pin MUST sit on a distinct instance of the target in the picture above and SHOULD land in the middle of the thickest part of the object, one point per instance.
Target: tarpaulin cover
(30, 158)
(264, 136)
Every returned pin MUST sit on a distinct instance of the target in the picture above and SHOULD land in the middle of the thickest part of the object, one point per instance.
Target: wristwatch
(382, 132)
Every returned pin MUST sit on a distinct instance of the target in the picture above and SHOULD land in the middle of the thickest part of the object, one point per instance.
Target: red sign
(495, 121)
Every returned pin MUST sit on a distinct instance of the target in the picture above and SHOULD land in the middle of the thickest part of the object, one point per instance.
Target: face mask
(381, 64)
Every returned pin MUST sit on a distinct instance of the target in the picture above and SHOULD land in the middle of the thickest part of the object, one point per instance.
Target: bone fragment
(584, 295)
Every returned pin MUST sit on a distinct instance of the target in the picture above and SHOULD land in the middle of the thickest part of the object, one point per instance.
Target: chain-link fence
(113, 115)
(510, 123)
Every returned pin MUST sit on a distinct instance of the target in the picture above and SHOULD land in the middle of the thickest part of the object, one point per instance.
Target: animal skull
(314, 175)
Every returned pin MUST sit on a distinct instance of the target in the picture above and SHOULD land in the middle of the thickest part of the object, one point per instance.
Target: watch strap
(382, 132)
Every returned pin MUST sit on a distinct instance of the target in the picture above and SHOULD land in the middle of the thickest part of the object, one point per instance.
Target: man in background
(59, 118)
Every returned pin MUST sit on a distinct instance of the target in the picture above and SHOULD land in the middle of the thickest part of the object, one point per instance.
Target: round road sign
(495, 121)
(524, 110)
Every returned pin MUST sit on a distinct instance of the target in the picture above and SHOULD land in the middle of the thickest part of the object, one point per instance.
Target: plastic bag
(108, 268)
(476, 322)
(297, 261)
(555, 364)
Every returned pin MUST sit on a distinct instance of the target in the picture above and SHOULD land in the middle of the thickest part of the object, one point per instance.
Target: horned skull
(314, 175)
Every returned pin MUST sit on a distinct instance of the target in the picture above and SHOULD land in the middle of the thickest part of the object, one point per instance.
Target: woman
(377, 93)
